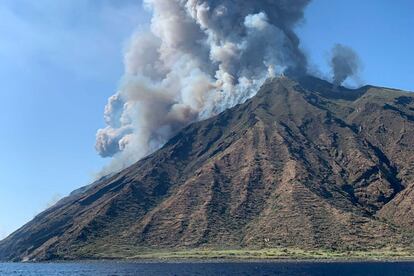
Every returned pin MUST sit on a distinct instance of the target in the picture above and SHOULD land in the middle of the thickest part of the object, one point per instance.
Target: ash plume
(344, 63)
(199, 58)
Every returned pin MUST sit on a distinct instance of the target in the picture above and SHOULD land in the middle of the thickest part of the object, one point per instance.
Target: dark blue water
(230, 268)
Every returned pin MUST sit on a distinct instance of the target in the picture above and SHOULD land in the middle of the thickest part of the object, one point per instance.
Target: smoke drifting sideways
(345, 63)
(199, 58)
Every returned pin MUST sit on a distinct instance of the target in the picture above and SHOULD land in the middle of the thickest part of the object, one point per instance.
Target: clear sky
(60, 60)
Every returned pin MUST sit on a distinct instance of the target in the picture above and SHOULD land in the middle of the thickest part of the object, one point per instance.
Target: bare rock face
(301, 164)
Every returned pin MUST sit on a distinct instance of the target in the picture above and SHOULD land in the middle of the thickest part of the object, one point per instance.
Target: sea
(207, 268)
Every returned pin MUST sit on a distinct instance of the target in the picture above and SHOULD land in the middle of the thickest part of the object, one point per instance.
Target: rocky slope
(301, 164)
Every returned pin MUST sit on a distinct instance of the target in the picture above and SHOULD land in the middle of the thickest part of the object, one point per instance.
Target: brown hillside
(301, 164)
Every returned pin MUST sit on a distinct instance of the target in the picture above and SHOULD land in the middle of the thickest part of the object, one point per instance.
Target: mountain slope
(301, 164)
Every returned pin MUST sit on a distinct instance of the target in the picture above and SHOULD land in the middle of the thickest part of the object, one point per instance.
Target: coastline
(280, 254)
(213, 261)
(240, 256)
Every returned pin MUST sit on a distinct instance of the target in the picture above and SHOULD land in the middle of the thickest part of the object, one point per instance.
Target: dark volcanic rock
(301, 164)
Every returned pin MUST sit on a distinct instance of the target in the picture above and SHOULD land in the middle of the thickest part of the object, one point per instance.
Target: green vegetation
(279, 253)
(250, 254)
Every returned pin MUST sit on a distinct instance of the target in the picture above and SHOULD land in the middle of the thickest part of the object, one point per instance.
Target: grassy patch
(276, 254)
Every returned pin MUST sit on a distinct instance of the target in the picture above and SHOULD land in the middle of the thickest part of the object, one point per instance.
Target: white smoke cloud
(3, 233)
(53, 200)
(199, 58)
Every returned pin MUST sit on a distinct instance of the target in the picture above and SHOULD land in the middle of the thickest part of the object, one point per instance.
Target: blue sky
(60, 60)
(380, 31)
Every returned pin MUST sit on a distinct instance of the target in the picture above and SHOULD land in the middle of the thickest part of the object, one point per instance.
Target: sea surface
(208, 268)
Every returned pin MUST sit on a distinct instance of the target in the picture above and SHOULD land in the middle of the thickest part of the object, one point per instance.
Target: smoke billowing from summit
(344, 62)
(199, 58)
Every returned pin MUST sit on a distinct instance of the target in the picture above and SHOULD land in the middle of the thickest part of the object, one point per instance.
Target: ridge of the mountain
(302, 164)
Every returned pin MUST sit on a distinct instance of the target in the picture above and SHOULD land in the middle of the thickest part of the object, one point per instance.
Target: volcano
(302, 164)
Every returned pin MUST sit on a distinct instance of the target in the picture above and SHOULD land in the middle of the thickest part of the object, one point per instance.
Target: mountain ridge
(301, 164)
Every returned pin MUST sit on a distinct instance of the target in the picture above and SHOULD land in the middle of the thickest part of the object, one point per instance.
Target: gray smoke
(199, 58)
(345, 63)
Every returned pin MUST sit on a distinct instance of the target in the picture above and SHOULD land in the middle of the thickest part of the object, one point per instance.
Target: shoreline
(214, 261)
(236, 256)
